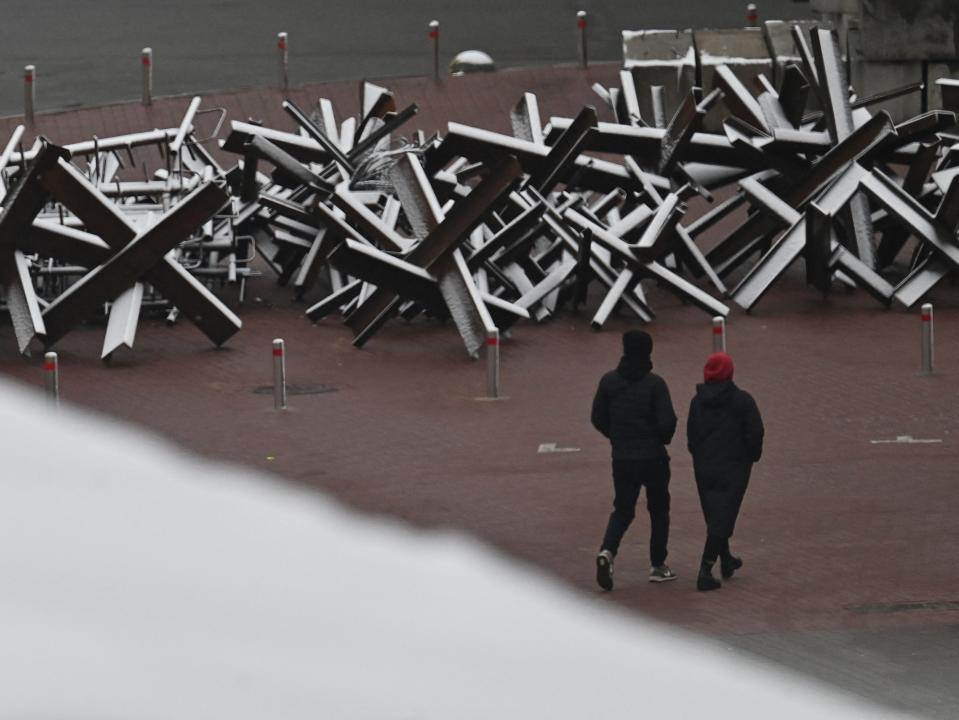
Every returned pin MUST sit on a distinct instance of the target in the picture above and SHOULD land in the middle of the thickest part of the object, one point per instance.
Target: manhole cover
(315, 389)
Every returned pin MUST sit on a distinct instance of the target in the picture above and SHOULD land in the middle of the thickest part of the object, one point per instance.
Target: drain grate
(314, 389)
(886, 608)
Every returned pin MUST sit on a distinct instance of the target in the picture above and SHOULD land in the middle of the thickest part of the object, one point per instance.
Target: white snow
(707, 59)
(139, 583)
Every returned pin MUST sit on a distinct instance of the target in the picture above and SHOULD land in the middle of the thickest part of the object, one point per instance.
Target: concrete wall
(944, 86)
(869, 77)
(910, 29)
(887, 44)
(660, 57)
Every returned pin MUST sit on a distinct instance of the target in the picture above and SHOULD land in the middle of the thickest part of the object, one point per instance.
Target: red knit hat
(719, 367)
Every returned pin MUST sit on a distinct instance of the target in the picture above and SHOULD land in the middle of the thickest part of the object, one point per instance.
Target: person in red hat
(724, 434)
(633, 409)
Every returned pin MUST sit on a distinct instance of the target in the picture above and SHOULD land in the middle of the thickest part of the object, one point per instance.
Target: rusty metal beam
(176, 284)
(107, 281)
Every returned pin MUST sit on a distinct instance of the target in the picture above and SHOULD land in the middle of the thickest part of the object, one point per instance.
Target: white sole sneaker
(662, 577)
(604, 571)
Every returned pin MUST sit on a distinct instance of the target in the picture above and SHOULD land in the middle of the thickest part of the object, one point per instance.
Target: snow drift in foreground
(139, 583)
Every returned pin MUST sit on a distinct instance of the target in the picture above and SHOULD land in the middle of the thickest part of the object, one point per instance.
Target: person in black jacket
(724, 433)
(633, 409)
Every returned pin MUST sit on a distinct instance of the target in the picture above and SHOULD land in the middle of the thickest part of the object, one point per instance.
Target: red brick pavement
(831, 522)
(484, 99)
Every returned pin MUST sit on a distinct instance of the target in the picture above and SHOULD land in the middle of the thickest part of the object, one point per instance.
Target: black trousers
(715, 547)
(629, 477)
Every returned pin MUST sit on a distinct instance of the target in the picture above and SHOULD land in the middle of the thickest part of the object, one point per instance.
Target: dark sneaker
(661, 573)
(604, 569)
(706, 581)
(729, 565)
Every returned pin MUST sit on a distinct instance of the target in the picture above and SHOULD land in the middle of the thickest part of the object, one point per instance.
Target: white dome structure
(470, 61)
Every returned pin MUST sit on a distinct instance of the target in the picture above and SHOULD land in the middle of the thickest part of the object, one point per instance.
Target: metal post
(752, 15)
(146, 60)
(279, 375)
(719, 334)
(492, 364)
(51, 370)
(29, 92)
(927, 339)
(282, 43)
(658, 95)
(435, 37)
(581, 24)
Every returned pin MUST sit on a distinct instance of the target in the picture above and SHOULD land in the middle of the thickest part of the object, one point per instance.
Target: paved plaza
(848, 532)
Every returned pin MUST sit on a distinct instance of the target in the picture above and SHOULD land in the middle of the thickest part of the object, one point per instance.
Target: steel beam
(297, 146)
(122, 323)
(564, 152)
(105, 219)
(107, 281)
(484, 146)
(22, 304)
(27, 197)
(525, 120)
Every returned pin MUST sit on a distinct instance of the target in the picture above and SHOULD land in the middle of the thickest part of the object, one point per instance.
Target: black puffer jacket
(724, 430)
(633, 409)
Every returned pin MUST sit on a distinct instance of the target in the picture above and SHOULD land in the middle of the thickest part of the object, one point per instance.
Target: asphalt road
(87, 52)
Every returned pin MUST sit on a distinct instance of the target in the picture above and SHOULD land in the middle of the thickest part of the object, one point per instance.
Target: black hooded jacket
(724, 431)
(633, 409)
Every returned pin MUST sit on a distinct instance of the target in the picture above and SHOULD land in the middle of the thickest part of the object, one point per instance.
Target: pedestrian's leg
(657, 503)
(705, 580)
(627, 485)
(739, 481)
(729, 563)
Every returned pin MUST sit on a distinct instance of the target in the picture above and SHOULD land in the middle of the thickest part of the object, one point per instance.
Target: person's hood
(715, 394)
(633, 368)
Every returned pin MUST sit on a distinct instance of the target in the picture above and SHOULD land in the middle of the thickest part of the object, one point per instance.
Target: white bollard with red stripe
(435, 37)
(752, 15)
(51, 371)
(29, 92)
(492, 364)
(279, 374)
(719, 334)
(581, 26)
(283, 45)
(146, 62)
(927, 338)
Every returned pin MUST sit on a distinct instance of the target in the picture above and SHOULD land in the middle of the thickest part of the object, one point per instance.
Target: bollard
(146, 60)
(29, 92)
(51, 369)
(581, 25)
(492, 364)
(279, 375)
(752, 15)
(435, 37)
(283, 44)
(927, 338)
(719, 334)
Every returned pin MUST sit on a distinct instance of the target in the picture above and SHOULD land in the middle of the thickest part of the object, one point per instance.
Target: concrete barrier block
(835, 7)
(942, 90)
(780, 45)
(660, 57)
(743, 51)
